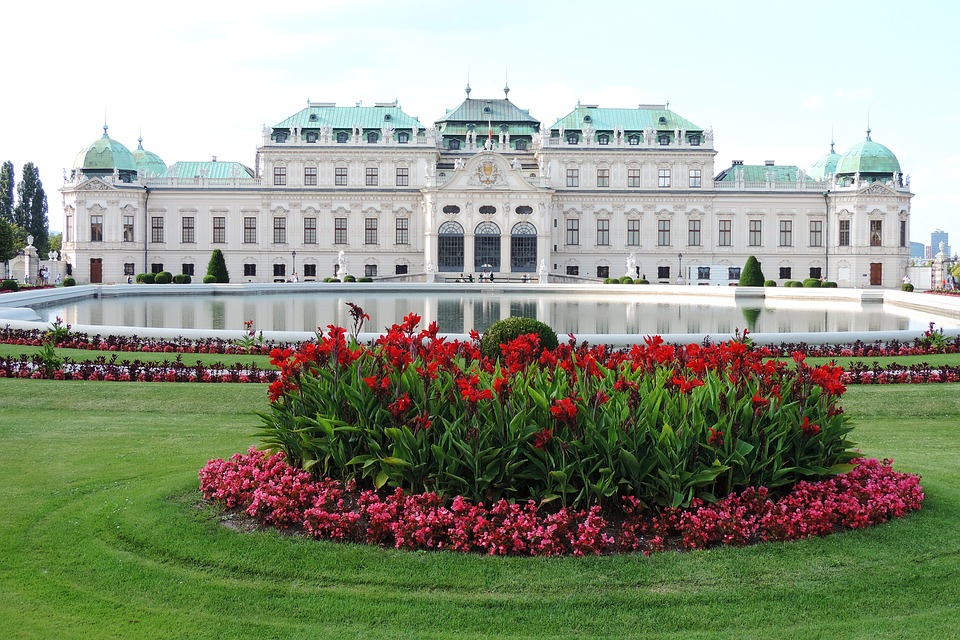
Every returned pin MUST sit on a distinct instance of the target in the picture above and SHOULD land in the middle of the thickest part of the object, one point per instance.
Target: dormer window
(311, 136)
(603, 139)
(487, 109)
(662, 120)
(341, 137)
(454, 145)
(634, 140)
(521, 145)
(664, 140)
(587, 118)
(694, 141)
(403, 137)
(372, 137)
(280, 137)
(572, 138)
(313, 117)
(388, 117)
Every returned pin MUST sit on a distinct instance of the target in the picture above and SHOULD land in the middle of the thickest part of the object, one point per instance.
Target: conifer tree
(751, 275)
(31, 210)
(6, 191)
(217, 267)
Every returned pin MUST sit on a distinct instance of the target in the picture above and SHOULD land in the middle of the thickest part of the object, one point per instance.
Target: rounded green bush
(349, 278)
(610, 281)
(332, 280)
(365, 279)
(9, 285)
(626, 280)
(209, 279)
(812, 283)
(769, 283)
(69, 282)
(164, 277)
(146, 278)
(182, 278)
(503, 331)
(827, 284)
(906, 287)
(793, 283)
(641, 281)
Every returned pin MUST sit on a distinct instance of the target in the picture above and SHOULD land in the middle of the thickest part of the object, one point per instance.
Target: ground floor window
(573, 271)
(401, 269)
(156, 267)
(279, 270)
(370, 270)
(785, 273)
(603, 272)
(187, 268)
(309, 271)
(129, 268)
(815, 272)
(486, 247)
(523, 248)
(663, 273)
(450, 247)
(249, 270)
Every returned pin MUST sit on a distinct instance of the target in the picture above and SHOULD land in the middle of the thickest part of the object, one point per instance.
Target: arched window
(403, 137)
(450, 247)
(486, 247)
(341, 137)
(523, 248)
(603, 139)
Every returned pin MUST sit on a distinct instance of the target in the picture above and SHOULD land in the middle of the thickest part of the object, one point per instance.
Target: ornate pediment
(877, 189)
(487, 171)
(95, 184)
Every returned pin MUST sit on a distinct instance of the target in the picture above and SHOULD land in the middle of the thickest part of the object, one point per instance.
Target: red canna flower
(542, 438)
(808, 429)
(716, 437)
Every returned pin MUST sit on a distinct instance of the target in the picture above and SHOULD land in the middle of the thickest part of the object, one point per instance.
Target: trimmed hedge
(641, 281)
(209, 279)
(146, 278)
(751, 275)
(906, 287)
(793, 283)
(9, 285)
(827, 284)
(69, 282)
(182, 278)
(769, 283)
(812, 283)
(509, 329)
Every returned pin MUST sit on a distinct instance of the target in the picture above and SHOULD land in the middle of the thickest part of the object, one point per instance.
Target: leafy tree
(7, 247)
(55, 242)
(751, 275)
(31, 210)
(217, 267)
(6, 191)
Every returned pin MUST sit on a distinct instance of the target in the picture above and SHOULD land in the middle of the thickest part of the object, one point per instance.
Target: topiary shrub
(164, 277)
(503, 331)
(217, 267)
(906, 286)
(769, 283)
(69, 282)
(610, 281)
(332, 280)
(641, 281)
(812, 283)
(349, 278)
(827, 284)
(626, 280)
(365, 279)
(146, 278)
(182, 278)
(793, 283)
(9, 285)
(751, 275)
(209, 279)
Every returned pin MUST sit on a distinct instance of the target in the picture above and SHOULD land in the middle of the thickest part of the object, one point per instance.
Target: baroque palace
(370, 191)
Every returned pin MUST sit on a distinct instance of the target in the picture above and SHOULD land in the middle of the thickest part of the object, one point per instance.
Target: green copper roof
(460, 129)
(660, 118)
(319, 114)
(824, 165)
(868, 157)
(210, 169)
(763, 173)
(105, 155)
(148, 163)
(480, 110)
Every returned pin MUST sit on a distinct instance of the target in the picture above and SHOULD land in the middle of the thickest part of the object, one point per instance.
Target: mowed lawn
(101, 537)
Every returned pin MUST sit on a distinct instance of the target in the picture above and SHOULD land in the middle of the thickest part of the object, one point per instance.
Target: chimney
(214, 158)
(768, 163)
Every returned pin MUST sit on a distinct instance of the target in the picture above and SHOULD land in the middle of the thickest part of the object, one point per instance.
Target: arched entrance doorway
(450, 247)
(486, 248)
(523, 248)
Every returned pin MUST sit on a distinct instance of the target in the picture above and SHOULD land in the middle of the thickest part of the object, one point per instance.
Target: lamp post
(294, 263)
(680, 276)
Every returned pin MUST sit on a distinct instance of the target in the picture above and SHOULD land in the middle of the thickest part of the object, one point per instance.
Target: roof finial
(468, 83)
(868, 123)
(506, 85)
(666, 107)
(831, 139)
(105, 123)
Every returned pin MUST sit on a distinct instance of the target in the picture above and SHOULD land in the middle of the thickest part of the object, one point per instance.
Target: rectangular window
(310, 176)
(786, 273)
(249, 270)
(128, 228)
(309, 231)
(573, 231)
(188, 230)
(573, 177)
(187, 268)
(733, 273)
(279, 270)
(156, 229)
(693, 233)
(756, 233)
(403, 230)
(309, 271)
(339, 231)
(603, 232)
(340, 176)
(279, 176)
(633, 177)
(816, 233)
(695, 178)
(370, 270)
(633, 233)
(249, 230)
(786, 233)
(903, 233)
(663, 233)
(400, 269)
(603, 177)
(373, 176)
(129, 269)
(876, 233)
(279, 230)
(844, 240)
(603, 272)
(573, 271)
(219, 229)
(724, 233)
(703, 273)
(403, 177)
(370, 231)
(815, 272)
(663, 273)
(156, 267)
(663, 177)
(96, 228)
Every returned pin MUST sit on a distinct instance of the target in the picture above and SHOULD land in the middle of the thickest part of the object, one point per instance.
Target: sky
(775, 81)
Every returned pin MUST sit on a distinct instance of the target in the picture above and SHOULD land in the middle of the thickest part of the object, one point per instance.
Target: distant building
(487, 187)
(938, 236)
(917, 250)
